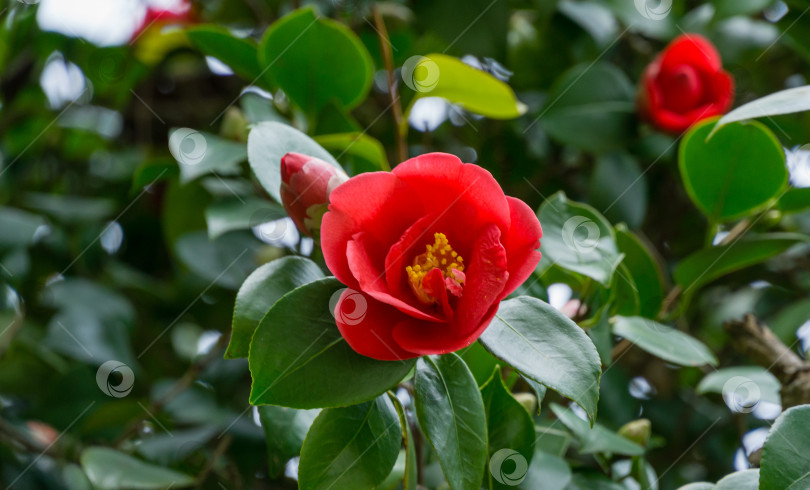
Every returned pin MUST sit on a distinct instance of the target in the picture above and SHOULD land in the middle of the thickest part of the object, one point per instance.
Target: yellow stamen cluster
(440, 255)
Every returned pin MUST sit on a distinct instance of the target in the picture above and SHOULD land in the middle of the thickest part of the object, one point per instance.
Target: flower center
(439, 256)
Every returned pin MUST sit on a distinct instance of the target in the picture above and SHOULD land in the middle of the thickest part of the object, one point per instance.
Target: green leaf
(298, 358)
(315, 60)
(225, 261)
(238, 53)
(591, 106)
(19, 227)
(794, 200)
(643, 268)
(268, 142)
(662, 341)
(510, 428)
(165, 448)
(788, 101)
(784, 456)
(759, 383)
(480, 362)
(440, 75)
(199, 153)
(259, 293)
(451, 414)
(547, 471)
(108, 469)
(593, 481)
(704, 266)
(546, 346)
(351, 448)
(596, 439)
(740, 170)
(702, 485)
(410, 475)
(240, 214)
(576, 237)
(284, 431)
(369, 153)
(741, 480)
(618, 186)
(625, 293)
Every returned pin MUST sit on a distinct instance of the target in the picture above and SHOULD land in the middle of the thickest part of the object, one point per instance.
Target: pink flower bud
(306, 183)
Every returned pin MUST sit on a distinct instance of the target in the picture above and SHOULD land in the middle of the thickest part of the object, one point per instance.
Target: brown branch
(388, 61)
(752, 338)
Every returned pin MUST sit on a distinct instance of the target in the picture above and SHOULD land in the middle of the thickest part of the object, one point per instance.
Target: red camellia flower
(179, 13)
(427, 251)
(306, 183)
(684, 84)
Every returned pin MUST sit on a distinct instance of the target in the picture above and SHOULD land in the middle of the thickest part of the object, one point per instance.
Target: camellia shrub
(359, 245)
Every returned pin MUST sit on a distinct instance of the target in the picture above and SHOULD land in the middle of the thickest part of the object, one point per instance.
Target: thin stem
(388, 61)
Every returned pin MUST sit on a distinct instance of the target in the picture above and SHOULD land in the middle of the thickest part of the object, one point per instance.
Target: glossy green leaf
(593, 481)
(410, 475)
(166, 449)
(268, 142)
(591, 106)
(238, 53)
(440, 75)
(369, 153)
(619, 188)
(596, 439)
(712, 263)
(787, 101)
(759, 382)
(109, 469)
(546, 346)
(784, 455)
(199, 153)
(240, 214)
(794, 200)
(624, 293)
(315, 60)
(577, 238)
(452, 416)
(643, 268)
(351, 448)
(510, 427)
(740, 170)
(480, 362)
(741, 480)
(298, 358)
(259, 293)
(284, 432)
(662, 341)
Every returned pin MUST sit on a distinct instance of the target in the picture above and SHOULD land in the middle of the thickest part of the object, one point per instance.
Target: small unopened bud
(306, 183)
(637, 431)
(528, 400)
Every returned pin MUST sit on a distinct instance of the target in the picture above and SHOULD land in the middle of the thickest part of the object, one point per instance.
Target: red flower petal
(370, 278)
(693, 50)
(367, 326)
(446, 185)
(521, 243)
(487, 276)
(378, 203)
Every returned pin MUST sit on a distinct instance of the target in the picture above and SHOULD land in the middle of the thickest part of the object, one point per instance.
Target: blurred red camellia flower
(427, 251)
(179, 13)
(684, 84)
(306, 183)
